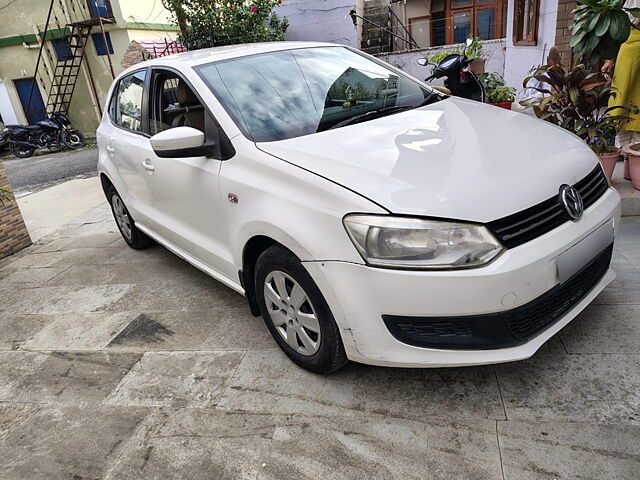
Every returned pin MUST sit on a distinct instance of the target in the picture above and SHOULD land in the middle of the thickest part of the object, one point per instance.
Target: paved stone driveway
(124, 364)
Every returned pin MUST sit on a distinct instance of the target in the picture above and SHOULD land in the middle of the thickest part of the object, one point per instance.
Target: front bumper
(359, 297)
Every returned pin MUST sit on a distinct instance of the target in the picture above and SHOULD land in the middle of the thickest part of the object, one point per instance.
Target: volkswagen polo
(364, 215)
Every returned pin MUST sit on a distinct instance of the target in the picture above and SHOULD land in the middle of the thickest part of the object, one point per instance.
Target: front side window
(286, 94)
(127, 102)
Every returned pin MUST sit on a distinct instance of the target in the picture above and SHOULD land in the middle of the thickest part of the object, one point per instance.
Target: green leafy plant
(496, 89)
(474, 50)
(210, 23)
(599, 28)
(578, 101)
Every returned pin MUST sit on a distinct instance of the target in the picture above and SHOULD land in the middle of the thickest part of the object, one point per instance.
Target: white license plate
(575, 258)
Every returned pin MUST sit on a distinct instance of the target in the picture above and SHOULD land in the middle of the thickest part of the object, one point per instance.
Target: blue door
(100, 8)
(34, 110)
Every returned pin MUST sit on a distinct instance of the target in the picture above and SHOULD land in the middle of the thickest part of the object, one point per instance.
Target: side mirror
(180, 142)
(423, 61)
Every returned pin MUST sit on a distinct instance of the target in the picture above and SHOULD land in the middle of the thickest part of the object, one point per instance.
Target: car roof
(208, 55)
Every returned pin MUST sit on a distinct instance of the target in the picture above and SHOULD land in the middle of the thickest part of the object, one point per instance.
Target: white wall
(493, 51)
(520, 60)
(319, 20)
(6, 107)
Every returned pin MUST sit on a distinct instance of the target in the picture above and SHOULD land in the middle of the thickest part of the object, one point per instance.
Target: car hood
(453, 159)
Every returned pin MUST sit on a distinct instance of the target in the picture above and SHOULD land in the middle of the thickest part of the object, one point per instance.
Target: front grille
(527, 320)
(501, 329)
(521, 227)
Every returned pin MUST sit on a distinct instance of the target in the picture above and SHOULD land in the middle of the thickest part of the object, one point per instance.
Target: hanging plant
(599, 28)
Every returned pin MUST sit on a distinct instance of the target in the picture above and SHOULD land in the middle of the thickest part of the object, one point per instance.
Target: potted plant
(578, 101)
(633, 152)
(473, 50)
(497, 93)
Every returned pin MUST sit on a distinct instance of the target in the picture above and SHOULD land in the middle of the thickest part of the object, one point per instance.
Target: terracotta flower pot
(626, 174)
(505, 105)
(633, 151)
(609, 160)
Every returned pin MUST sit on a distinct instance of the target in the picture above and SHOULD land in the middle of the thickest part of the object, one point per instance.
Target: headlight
(400, 242)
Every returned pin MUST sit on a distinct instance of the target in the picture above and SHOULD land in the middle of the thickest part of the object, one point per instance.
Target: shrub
(210, 23)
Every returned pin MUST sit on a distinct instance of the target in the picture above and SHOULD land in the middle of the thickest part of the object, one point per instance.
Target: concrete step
(630, 196)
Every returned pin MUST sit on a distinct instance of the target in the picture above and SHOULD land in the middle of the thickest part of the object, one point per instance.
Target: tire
(73, 139)
(21, 151)
(130, 233)
(292, 326)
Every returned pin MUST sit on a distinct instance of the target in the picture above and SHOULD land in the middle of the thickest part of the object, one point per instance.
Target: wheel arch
(253, 248)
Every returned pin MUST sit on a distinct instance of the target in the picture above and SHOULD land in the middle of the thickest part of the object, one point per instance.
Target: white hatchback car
(364, 215)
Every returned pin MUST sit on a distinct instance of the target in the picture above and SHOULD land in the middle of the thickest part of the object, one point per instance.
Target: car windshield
(291, 93)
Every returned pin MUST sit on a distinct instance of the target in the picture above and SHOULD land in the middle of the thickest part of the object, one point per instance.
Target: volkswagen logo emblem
(571, 201)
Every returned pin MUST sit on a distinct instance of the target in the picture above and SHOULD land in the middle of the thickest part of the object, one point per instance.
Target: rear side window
(126, 107)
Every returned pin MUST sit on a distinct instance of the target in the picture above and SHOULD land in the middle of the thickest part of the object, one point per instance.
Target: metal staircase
(62, 46)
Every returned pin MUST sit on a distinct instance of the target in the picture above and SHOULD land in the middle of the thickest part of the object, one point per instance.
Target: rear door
(126, 142)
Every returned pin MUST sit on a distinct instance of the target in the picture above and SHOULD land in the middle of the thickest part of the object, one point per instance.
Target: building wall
(493, 51)
(563, 34)
(320, 20)
(520, 60)
(16, 61)
(13, 232)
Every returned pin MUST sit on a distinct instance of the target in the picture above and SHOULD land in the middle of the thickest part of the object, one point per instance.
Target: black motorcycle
(50, 133)
(460, 81)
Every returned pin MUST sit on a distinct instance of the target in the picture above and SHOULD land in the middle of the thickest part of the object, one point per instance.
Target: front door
(185, 193)
(33, 108)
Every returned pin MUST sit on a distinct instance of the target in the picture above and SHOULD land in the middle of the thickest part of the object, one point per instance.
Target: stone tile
(62, 378)
(96, 240)
(622, 291)
(12, 415)
(67, 442)
(604, 329)
(33, 277)
(237, 329)
(452, 393)
(178, 295)
(189, 379)
(589, 388)
(16, 329)
(382, 448)
(204, 444)
(173, 269)
(209, 330)
(268, 382)
(91, 331)
(106, 226)
(588, 451)
(84, 256)
(95, 215)
(155, 253)
(63, 300)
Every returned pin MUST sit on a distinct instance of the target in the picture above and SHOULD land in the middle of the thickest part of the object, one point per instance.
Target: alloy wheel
(122, 217)
(292, 313)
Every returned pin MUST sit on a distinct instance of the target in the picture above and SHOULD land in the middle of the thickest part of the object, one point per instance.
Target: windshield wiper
(381, 112)
(378, 112)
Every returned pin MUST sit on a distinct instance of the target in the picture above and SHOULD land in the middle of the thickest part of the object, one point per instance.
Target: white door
(127, 144)
(185, 200)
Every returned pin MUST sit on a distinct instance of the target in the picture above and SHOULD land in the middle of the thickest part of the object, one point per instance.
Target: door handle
(110, 149)
(147, 165)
